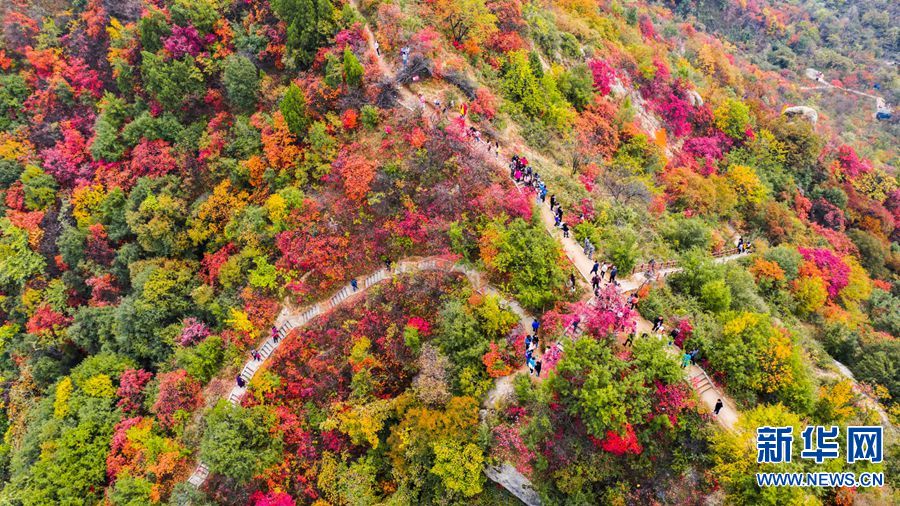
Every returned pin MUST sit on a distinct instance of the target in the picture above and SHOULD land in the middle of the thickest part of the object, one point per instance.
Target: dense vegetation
(174, 172)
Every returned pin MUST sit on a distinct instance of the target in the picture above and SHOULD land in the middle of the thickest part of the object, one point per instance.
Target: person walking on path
(686, 360)
(535, 325)
(377, 48)
(694, 356)
(595, 269)
(673, 336)
(612, 274)
(256, 356)
(631, 334)
(565, 229)
(274, 335)
(537, 368)
(718, 407)
(531, 365)
(657, 323)
(603, 269)
(595, 282)
(354, 284)
(575, 323)
(632, 301)
(240, 381)
(572, 281)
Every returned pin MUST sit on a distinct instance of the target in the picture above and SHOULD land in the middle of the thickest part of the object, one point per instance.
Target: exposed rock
(515, 482)
(807, 113)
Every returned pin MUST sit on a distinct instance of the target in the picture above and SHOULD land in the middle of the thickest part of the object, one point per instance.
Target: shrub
(788, 258)
(878, 365)
(293, 109)
(529, 259)
(810, 294)
(240, 442)
(620, 247)
(872, 252)
(715, 296)
(241, 80)
(884, 308)
(689, 233)
(369, 116)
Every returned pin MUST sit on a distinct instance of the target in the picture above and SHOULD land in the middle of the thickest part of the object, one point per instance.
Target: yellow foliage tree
(810, 294)
(86, 201)
(214, 213)
(99, 386)
(859, 286)
(746, 184)
(361, 423)
(61, 402)
(836, 401)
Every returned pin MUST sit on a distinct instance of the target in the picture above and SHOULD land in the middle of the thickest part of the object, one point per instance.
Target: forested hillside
(335, 252)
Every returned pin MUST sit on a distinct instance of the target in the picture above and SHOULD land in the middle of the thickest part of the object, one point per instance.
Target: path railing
(654, 267)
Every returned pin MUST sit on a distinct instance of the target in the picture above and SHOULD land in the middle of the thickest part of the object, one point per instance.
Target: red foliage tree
(97, 245)
(152, 158)
(131, 389)
(357, 169)
(827, 214)
(183, 41)
(213, 262)
(646, 26)
(271, 499)
(603, 75)
(621, 444)
(68, 161)
(834, 271)
(47, 323)
(15, 196)
(118, 459)
(596, 137)
(104, 291)
(178, 391)
(849, 164)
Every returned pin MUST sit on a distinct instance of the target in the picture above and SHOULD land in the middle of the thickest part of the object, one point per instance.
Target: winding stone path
(289, 320)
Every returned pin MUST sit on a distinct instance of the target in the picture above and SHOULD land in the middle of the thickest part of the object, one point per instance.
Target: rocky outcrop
(514, 482)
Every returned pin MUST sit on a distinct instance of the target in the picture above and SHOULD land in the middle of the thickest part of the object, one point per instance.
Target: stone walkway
(695, 376)
(289, 320)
